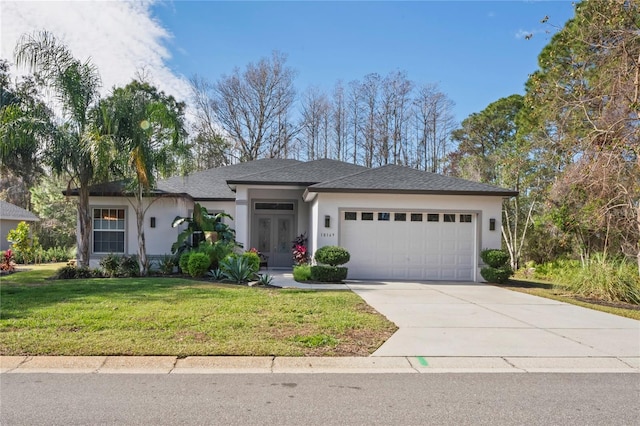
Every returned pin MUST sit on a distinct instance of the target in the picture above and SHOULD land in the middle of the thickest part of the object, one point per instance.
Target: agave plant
(216, 275)
(237, 269)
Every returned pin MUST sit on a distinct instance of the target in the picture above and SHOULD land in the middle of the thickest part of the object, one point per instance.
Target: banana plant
(201, 222)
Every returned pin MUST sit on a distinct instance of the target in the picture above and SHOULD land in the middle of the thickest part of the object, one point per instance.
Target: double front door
(272, 236)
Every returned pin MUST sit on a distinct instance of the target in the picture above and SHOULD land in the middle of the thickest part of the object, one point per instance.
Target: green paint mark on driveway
(423, 362)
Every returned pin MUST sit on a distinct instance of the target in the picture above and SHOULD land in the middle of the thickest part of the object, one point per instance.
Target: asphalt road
(314, 399)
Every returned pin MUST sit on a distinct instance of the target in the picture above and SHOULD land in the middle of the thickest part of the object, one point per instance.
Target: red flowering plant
(6, 263)
(299, 250)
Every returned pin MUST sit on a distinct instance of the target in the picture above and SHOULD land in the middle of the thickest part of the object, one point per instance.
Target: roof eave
(413, 191)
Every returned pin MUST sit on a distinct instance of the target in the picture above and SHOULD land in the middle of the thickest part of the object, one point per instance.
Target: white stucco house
(397, 222)
(10, 216)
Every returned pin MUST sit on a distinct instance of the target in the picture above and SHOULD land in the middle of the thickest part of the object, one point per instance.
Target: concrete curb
(323, 365)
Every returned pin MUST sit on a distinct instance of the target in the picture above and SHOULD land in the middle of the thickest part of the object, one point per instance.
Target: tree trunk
(84, 221)
(142, 249)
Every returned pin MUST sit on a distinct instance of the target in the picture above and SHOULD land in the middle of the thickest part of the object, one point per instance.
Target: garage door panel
(419, 250)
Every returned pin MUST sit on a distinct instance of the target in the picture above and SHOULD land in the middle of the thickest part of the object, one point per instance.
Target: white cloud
(121, 37)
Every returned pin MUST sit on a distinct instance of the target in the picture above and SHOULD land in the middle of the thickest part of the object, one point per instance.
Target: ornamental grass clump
(601, 278)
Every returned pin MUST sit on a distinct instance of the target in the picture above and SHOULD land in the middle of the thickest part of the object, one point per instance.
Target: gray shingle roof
(400, 179)
(212, 184)
(319, 176)
(110, 189)
(12, 212)
(301, 174)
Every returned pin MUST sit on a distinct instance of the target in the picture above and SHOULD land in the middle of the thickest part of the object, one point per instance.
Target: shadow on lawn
(18, 300)
(528, 284)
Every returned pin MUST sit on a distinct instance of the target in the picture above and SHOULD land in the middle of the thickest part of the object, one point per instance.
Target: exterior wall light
(327, 221)
(153, 222)
(492, 224)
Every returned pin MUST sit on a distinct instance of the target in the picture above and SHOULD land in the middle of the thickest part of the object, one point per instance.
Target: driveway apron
(480, 320)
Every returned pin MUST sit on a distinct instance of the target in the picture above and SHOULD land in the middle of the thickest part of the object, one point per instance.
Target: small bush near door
(198, 264)
(328, 274)
(332, 255)
(302, 273)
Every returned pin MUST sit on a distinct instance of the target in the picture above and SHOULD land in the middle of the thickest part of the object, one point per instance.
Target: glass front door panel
(264, 234)
(284, 235)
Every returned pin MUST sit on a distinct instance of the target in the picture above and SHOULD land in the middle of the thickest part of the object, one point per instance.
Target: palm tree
(147, 129)
(75, 151)
(25, 127)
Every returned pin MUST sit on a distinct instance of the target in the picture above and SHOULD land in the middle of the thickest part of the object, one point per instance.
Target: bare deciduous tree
(249, 104)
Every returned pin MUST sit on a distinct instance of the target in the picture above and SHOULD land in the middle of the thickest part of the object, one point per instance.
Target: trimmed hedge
(494, 257)
(183, 262)
(198, 264)
(328, 274)
(332, 255)
(496, 275)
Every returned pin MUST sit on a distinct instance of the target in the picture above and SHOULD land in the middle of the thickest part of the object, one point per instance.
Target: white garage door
(409, 245)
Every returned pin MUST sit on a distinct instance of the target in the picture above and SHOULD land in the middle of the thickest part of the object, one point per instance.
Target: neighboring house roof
(10, 211)
(211, 185)
(301, 174)
(401, 179)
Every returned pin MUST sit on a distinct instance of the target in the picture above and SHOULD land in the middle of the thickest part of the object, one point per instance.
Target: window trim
(124, 231)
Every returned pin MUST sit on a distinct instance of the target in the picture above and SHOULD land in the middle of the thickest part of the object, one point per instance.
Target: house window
(108, 230)
(433, 217)
(449, 217)
(400, 217)
(274, 206)
(350, 216)
(384, 217)
(366, 216)
(465, 218)
(416, 217)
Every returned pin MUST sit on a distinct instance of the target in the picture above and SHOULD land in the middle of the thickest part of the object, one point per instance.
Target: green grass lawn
(176, 316)
(556, 292)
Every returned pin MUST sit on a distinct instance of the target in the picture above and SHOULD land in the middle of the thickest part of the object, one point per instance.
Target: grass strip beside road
(177, 316)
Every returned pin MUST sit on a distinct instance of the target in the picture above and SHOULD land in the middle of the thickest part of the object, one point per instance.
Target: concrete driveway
(480, 320)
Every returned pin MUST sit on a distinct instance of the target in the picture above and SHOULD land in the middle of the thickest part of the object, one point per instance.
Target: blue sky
(475, 50)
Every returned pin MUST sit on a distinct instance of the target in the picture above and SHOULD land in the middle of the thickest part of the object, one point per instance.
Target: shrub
(330, 274)
(70, 272)
(198, 264)
(129, 266)
(216, 251)
(237, 269)
(253, 259)
(302, 273)
(23, 242)
(494, 258)
(166, 264)
(183, 262)
(496, 275)
(115, 265)
(498, 271)
(67, 272)
(6, 262)
(332, 255)
(110, 264)
(299, 250)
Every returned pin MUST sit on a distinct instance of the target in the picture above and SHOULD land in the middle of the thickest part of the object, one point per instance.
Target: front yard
(176, 316)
